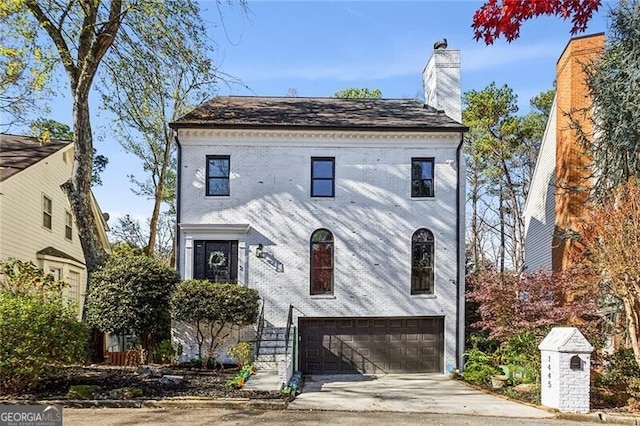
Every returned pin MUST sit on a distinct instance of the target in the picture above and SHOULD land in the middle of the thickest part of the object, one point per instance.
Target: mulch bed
(198, 382)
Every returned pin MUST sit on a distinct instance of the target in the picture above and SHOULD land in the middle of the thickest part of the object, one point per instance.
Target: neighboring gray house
(347, 215)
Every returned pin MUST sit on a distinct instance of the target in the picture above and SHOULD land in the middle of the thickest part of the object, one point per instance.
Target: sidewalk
(414, 393)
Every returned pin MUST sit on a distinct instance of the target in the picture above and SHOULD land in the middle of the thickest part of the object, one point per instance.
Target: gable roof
(20, 152)
(54, 252)
(315, 113)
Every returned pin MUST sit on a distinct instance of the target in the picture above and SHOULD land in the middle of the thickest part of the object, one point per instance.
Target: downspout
(178, 204)
(460, 220)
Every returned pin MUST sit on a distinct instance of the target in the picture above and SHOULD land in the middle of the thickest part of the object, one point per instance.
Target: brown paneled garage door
(371, 345)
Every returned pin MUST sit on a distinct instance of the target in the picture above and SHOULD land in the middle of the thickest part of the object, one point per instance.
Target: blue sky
(318, 48)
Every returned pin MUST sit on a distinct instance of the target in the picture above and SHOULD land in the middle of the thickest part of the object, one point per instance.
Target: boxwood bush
(130, 294)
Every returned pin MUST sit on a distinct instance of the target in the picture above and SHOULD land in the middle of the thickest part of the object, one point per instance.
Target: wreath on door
(217, 259)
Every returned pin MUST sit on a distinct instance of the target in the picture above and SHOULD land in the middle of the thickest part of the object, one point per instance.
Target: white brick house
(346, 213)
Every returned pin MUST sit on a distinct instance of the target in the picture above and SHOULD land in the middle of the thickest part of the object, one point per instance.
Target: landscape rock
(83, 391)
(171, 380)
(525, 388)
(149, 371)
(125, 393)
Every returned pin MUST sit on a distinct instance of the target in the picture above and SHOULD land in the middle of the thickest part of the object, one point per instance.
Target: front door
(216, 261)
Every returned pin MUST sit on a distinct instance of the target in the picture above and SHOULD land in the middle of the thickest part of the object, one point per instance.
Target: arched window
(321, 262)
(422, 250)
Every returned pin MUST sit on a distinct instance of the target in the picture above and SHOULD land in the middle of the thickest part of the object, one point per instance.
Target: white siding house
(540, 208)
(345, 214)
(36, 221)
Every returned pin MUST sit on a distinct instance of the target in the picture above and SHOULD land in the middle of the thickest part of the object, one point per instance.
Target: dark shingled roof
(52, 251)
(19, 152)
(317, 113)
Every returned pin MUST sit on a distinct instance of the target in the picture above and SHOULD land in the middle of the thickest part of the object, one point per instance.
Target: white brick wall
(562, 387)
(372, 218)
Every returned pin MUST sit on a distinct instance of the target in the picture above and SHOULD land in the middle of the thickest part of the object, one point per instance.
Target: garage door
(371, 345)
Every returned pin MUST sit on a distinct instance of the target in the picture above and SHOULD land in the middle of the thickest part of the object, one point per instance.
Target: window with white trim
(47, 211)
(68, 226)
(422, 252)
(218, 167)
(321, 262)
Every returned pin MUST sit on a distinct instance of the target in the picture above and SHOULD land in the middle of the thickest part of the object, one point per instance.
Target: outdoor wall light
(259, 251)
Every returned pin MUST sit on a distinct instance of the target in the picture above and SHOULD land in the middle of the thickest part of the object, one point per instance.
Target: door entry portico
(216, 261)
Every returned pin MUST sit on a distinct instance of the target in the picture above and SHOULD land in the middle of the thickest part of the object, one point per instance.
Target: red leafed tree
(510, 304)
(504, 18)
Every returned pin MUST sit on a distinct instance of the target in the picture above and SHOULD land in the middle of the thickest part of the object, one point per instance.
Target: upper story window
(422, 251)
(68, 226)
(321, 262)
(422, 177)
(323, 174)
(47, 209)
(218, 175)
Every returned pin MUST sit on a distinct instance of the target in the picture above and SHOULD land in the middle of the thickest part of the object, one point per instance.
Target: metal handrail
(260, 329)
(289, 323)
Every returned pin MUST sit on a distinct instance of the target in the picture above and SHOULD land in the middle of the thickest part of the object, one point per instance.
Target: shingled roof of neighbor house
(326, 113)
(20, 152)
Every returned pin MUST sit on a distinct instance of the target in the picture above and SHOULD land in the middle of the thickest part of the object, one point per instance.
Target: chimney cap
(440, 44)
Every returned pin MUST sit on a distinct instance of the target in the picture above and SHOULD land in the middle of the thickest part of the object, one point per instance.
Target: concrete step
(264, 380)
(274, 336)
(270, 358)
(272, 351)
(266, 365)
(274, 330)
(273, 344)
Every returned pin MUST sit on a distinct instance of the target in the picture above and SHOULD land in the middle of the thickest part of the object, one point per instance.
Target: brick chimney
(572, 162)
(441, 80)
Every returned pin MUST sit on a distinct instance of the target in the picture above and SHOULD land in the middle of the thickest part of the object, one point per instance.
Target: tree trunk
(518, 220)
(502, 248)
(632, 324)
(159, 194)
(475, 240)
(78, 189)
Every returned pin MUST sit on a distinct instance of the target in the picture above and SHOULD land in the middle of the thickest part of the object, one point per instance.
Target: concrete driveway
(421, 393)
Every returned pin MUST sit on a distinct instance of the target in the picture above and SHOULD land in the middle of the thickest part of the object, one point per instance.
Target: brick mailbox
(565, 363)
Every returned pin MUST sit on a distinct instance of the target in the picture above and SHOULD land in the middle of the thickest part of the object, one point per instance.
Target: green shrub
(242, 352)
(520, 358)
(619, 367)
(25, 278)
(37, 337)
(130, 294)
(619, 382)
(214, 309)
(165, 352)
(241, 378)
(478, 367)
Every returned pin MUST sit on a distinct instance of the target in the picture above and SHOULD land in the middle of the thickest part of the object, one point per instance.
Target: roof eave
(426, 129)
